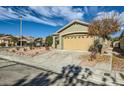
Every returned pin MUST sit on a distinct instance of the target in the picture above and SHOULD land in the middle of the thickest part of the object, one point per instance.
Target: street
(15, 74)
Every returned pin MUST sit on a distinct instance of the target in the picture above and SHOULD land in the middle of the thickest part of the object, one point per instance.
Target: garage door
(77, 42)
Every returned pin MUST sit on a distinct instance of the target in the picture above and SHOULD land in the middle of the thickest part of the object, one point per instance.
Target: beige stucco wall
(75, 28)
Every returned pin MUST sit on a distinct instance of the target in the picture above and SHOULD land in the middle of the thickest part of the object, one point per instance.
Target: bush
(13, 50)
(94, 46)
(49, 40)
(91, 48)
(2, 44)
(25, 49)
(9, 44)
(17, 48)
(47, 48)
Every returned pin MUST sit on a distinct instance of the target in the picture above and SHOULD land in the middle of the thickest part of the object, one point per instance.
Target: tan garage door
(77, 43)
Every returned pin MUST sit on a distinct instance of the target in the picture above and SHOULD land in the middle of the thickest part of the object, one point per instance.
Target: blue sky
(41, 21)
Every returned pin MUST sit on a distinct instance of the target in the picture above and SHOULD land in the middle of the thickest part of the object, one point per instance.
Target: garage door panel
(77, 43)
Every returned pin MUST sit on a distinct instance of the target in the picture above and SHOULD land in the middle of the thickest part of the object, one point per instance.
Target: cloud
(91, 10)
(7, 14)
(54, 16)
(102, 15)
(117, 15)
(66, 12)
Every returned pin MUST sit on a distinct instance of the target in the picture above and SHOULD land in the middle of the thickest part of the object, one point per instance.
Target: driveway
(58, 59)
(53, 60)
(12, 73)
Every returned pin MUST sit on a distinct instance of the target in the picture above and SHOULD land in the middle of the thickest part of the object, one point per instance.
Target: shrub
(9, 44)
(91, 48)
(25, 49)
(17, 48)
(47, 48)
(94, 46)
(2, 44)
(13, 50)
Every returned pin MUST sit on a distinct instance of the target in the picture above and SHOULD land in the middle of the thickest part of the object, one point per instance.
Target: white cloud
(66, 12)
(91, 10)
(7, 14)
(86, 9)
(45, 14)
(102, 15)
(117, 15)
(37, 20)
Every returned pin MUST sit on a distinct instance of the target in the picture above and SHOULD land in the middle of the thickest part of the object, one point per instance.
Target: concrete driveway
(58, 59)
(53, 60)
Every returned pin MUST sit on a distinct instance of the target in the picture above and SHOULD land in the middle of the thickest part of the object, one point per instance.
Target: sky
(41, 21)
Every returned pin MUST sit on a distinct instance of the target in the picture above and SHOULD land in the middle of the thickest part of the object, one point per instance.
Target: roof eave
(75, 21)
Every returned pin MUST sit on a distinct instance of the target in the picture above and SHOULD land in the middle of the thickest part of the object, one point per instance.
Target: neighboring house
(122, 41)
(38, 41)
(6, 40)
(30, 38)
(26, 40)
(73, 36)
(43, 40)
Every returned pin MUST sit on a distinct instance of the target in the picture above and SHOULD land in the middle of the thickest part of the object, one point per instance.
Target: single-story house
(25, 40)
(73, 36)
(6, 40)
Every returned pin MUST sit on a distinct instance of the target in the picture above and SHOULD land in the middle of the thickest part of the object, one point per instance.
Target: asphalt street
(15, 74)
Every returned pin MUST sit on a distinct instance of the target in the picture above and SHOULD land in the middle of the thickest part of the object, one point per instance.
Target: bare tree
(105, 26)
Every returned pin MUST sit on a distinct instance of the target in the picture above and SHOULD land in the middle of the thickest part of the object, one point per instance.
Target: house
(38, 41)
(73, 36)
(24, 41)
(6, 40)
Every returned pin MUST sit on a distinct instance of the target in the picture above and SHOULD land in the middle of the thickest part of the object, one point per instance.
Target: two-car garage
(77, 42)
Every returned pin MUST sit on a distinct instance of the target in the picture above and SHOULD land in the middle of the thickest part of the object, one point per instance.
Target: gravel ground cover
(99, 59)
(117, 63)
(27, 51)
